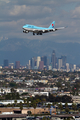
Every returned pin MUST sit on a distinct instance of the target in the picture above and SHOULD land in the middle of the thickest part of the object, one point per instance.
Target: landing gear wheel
(33, 33)
(40, 33)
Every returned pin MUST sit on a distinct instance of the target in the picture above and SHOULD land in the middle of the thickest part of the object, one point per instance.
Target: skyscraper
(29, 65)
(59, 63)
(38, 60)
(6, 63)
(53, 59)
(17, 64)
(63, 61)
(74, 67)
(29, 62)
(44, 59)
(32, 63)
(41, 65)
(67, 67)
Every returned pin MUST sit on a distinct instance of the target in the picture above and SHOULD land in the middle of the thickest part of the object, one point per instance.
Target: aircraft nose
(24, 26)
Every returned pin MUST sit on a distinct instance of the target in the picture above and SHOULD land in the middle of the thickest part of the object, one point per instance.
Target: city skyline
(41, 62)
(24, 54)
(39, 58)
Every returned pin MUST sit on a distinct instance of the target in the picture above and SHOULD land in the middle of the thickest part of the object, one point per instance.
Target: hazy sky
(16, 13)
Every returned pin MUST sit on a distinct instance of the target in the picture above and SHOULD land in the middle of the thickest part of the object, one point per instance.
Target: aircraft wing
(47, 30)
(43, 30)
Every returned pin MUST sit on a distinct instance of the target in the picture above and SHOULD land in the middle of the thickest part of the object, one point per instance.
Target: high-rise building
(29, 62)
(53, 59)
(32, 63)
(50, 67)
(67, 67)
(38, 60)
(71, 67)
(17, 64)
(41, 65)
(44, 58)
(6, 63)
(59, 63)
(63, 61)
(35, 61)
(74, 67)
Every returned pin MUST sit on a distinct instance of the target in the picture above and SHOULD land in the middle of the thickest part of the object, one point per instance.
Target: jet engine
(24, 31)
(54, 30)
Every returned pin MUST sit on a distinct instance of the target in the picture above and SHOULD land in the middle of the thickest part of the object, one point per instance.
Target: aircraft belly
(31, 30)
(38, 30)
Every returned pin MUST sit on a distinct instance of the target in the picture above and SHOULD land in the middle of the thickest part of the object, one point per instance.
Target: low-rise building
(76, 99)
(41, 93)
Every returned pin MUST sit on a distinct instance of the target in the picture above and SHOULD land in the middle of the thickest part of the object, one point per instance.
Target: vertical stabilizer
(52, 24)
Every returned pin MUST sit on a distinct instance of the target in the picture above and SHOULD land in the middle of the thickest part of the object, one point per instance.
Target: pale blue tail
(52, 24)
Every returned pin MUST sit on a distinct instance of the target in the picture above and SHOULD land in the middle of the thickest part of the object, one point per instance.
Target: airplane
(40, 30)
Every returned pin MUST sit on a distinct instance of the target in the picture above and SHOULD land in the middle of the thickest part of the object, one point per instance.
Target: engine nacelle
(54, 30)
(24, 31)
(27, 31)
(43, 31)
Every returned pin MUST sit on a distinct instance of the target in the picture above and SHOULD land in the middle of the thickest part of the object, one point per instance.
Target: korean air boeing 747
(40, 30)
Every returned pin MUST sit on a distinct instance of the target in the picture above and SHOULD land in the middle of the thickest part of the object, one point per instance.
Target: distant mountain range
(23, 49)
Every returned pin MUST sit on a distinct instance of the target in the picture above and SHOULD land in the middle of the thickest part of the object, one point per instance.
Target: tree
(37, 101)
(74, 107)
(59, 85)
(60, 107)
(34, 105)
(66, 99)
(1, 90)
(68, 118)
(66, 105)
(44, 100)
(21, 106)
(44, 118)
(67, 110)
(15, 102)
(79, 109)
(27, 104)
(11, 96)
(53, 103)
(12, 90)
(49, 105)
(24, 100)
(12, 84)
(29, 113)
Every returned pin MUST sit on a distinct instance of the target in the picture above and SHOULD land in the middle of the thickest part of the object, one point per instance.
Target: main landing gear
(33, 33)
(37, 33)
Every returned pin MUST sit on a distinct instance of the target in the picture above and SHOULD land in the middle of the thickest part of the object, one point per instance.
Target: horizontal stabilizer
(60, 28)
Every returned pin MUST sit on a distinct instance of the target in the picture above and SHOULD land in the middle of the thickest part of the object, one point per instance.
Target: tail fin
(52, 24)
